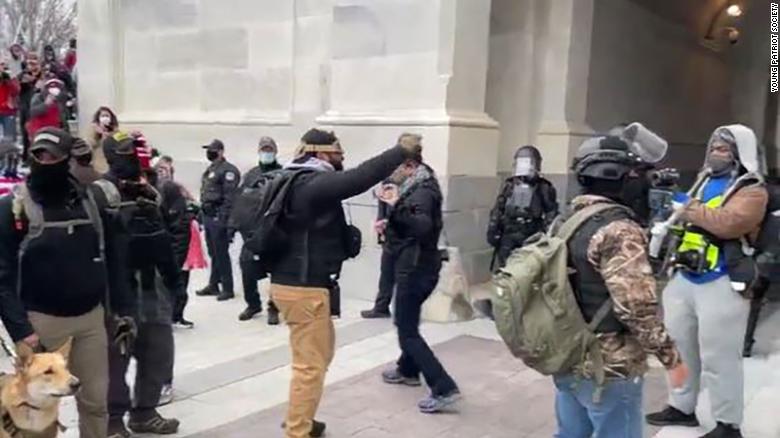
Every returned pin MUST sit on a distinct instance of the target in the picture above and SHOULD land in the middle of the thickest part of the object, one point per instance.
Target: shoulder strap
(110, 191)
(91, 207)
(575, 221)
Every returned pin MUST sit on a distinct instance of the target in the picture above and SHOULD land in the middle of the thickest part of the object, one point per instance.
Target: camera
(691, 261)
(664, 183)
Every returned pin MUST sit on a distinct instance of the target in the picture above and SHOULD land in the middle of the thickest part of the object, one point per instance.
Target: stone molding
(409, 118)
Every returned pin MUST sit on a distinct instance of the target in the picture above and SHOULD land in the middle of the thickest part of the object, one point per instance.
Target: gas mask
(528, 161)
(524, 166)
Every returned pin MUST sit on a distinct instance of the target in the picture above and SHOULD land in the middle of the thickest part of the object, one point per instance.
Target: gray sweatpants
(708, 323)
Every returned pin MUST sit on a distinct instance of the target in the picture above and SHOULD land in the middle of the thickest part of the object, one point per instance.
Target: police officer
(149, 252)
(250, 268)
(217, 190)
(704, 303)
(613, 281)
(304, 271)
(526, 205)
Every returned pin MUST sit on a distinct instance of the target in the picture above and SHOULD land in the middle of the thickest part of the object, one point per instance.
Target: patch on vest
(230, 176)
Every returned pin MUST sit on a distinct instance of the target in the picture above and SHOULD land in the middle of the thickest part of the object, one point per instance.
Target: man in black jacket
(317, 247)
(249, 262)
(50, 233)
(413, 229)
(150, 256)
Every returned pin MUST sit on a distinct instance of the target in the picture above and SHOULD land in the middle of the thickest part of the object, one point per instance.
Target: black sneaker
(375, 314)
(273, 317)
(117, 429)
(672, 417)
(724, 431)
(317, 428)
(208, 291)
(250, 313)
(156, 424)
(224, 296)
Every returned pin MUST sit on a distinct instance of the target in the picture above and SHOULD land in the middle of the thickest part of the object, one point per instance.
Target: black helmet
(608, 158)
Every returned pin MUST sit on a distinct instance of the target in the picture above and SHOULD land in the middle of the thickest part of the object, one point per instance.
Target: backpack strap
(578, 219)
(110, 191)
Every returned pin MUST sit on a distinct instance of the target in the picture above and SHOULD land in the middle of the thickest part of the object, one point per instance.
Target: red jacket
(9, 93)
(51, 118)
(70, 60)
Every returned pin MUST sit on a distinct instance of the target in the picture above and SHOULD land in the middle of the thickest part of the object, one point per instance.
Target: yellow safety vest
(698, 242)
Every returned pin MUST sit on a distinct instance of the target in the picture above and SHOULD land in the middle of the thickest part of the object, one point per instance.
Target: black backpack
(243, 217)
(768, 243)
(266, 237)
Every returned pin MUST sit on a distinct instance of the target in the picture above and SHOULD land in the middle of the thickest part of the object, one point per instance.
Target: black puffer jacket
(178, 213)
(414, 226)
(316, 223)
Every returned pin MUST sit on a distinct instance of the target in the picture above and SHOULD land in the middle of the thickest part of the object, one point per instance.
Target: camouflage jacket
(618, 253)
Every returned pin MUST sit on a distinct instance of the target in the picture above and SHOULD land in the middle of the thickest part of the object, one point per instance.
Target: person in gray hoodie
(705, 303)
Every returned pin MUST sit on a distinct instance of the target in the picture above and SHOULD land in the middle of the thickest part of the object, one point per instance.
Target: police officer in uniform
(218, 187)
(249, 262)
(526, 205)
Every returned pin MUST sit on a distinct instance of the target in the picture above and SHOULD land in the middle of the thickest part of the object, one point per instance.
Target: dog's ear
(24, 355)
(64, 351)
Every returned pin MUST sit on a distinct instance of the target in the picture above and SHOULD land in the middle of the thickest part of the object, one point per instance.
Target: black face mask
(635, 193)
(126, 167)
(338, 166)
(212, 155)
(49, 179)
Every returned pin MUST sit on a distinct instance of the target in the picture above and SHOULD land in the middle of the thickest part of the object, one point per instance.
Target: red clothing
(9, 93)
(7, 184)
(70, 60)
(51, 118)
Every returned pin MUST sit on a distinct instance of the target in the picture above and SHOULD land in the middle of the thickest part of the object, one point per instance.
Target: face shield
(527, 162)
(646, 144)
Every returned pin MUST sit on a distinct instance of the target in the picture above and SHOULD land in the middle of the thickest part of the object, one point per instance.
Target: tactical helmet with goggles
(607, 158)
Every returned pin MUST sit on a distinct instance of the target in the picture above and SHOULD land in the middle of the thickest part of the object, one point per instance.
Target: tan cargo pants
(88, 362)
(312, 341)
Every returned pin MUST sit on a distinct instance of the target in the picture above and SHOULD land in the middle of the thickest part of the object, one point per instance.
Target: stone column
(567, 38)
(418, 66)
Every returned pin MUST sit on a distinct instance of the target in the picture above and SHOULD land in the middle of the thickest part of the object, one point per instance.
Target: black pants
(416, 356)
(218, 245)
(153, 352)
(180, 301)
(250, 275)
(386, 282)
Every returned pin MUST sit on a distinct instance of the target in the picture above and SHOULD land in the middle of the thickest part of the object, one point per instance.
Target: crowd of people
(97, 243)
(37, 90)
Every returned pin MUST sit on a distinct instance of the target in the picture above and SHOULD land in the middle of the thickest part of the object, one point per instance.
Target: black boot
(208, 291)
(273, 316)
(152, 422)
(224, 296)
(317, 428)
(724, 431)
(375, 314)
(672, 417)
(249, 313)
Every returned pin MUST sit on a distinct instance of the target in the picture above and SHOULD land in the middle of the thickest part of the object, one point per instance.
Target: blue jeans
(617, 415)
(9, 127)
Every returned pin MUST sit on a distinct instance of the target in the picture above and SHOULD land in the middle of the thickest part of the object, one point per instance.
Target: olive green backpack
(535, 308)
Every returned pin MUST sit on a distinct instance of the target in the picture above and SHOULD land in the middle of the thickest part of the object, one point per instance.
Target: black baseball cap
(215, 145)
(54, 140)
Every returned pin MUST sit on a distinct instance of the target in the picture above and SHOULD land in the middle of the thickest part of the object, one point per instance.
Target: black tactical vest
(588, 285)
